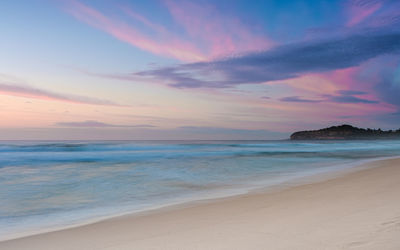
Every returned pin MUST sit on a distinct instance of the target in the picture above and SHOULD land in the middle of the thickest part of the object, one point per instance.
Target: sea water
(48, 185)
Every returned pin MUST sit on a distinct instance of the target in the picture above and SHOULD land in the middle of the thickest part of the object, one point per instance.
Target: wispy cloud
(372, 13)
(206, 32)
(349, 96)
(351, 99)
(298, 99)
(341, 96)
(97, 124)
(14, 89)
(145, 21)
(220, 33)
(121, 30)
(283, 62)
(361, 9)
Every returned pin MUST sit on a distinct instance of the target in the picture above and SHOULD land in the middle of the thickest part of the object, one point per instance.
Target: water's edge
(260, 188)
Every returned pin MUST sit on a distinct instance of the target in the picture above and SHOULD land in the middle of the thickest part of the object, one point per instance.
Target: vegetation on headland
(345, 132)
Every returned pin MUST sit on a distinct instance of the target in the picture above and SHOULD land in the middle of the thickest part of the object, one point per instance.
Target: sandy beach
(358, 210)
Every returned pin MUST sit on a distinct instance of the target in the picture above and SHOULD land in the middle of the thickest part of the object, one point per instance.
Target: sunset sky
(174, 69)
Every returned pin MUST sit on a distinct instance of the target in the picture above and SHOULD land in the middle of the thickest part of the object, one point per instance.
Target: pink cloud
(388, 16)
(338, 93)
(175, 48)
(208, 33)
(145, 21)
(219, 33)
(349, 80)
(359, 12)
(343, 78)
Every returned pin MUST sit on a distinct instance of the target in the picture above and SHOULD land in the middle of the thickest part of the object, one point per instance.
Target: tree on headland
(345, 132)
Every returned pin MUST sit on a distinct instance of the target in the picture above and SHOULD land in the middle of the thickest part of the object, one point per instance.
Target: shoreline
(332, 172)
(149, 218)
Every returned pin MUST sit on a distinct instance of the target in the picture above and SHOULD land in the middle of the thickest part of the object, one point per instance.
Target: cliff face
(345, 132)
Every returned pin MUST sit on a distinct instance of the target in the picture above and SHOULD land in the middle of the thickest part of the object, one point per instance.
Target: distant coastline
(345, 132)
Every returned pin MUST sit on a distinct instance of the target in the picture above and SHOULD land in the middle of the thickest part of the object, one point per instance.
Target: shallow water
(55, 184)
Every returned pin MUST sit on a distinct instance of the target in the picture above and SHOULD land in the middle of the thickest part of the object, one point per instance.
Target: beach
(356, 210)
(200, 124)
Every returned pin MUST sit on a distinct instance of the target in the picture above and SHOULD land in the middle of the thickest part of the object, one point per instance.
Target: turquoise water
(44, 185)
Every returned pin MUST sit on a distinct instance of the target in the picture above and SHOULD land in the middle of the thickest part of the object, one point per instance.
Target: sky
(182, 69)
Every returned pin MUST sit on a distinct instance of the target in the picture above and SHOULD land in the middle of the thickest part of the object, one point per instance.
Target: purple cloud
(350, 99)
(283, 62)
(297, 99)
(343, 96)
(388, 90)
(351, 92)
(388, 12)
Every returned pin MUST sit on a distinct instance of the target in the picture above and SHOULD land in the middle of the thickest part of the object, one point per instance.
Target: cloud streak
(298, 99)
(341, 96)
(280, 63)
(362, 9)
(372, 13)
(13, 89)
(204, 31)
(121, 30)
(220, 33)
(97, 124)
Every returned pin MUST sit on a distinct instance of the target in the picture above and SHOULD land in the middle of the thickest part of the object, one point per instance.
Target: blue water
(45, 185)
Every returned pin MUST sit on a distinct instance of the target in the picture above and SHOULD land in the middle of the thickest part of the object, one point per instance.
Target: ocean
(50, 185)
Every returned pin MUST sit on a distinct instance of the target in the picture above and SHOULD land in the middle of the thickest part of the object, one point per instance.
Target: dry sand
(359, 210)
